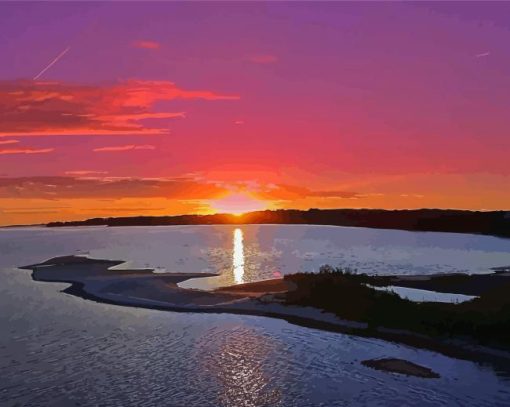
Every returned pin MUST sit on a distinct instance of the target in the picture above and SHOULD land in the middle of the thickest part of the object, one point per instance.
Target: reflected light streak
(236, 359)
(238, 256)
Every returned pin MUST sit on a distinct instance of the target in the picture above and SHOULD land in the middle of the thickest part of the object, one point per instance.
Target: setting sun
(237, 204)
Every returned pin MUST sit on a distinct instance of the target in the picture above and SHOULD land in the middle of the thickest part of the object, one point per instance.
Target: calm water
(417, 295)
(59, 350)
(257, 252)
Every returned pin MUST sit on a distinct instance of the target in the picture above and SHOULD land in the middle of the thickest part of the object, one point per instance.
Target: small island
(401, 366)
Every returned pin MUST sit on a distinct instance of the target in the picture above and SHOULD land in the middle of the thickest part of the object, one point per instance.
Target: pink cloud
(128, 147)
(67, 187)
(9, 141)
(183, 188)
(282, 192)
(263, 59)
(146, 44)
(33, 108)
(27, 151)
(85, 172)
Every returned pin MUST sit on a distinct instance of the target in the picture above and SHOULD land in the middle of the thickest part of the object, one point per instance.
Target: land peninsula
(333, 299)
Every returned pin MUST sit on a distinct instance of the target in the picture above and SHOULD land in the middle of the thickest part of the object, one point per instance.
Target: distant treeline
(488, 223)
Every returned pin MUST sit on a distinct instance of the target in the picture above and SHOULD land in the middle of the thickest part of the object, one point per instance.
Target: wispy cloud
(85, 172)
(262, 59)
(419, 196)
(483, 54)
(9, 141)
(146, 44)
(283, 192)
(101, 187)
(128, 147)
(27, 151)
(31, 108)
(91, 185)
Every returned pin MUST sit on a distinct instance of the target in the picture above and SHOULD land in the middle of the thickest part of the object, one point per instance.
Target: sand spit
(94, 279)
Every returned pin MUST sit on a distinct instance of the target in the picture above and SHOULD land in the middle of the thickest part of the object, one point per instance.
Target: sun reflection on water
(236, 362)
(238, 256)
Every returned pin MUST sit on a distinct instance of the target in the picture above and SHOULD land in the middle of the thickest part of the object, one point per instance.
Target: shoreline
(92, 279)
(84, 225)
(499, 236)
(492, 223)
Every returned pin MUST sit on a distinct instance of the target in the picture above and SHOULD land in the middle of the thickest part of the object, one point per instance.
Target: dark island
(496, 223)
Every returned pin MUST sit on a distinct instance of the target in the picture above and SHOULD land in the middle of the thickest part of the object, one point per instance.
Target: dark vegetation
(456, 283)
(490, 223)
(341, 291)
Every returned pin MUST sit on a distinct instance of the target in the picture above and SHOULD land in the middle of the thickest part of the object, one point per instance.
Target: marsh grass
(345, 293)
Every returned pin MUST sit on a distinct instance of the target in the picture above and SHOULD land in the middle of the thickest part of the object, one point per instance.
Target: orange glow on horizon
(237, 204)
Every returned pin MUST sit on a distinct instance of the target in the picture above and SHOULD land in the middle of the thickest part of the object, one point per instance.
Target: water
(262, 251)
(60, 350)
(418, 295)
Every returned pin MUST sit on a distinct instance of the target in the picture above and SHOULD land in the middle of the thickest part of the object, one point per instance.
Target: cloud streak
(95, 185)
(146, 44)
(33, 108)
(101, 187)
(27, 151)
(128, 147)
(263, 59)
(483, 54)
(85, 172)
(283, 192)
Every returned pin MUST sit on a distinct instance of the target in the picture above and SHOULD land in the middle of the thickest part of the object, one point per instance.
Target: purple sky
(387, 100)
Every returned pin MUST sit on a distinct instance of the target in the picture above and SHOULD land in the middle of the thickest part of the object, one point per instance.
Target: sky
(121, 109)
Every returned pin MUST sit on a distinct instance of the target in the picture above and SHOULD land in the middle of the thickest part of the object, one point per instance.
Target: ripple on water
(56, 349)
